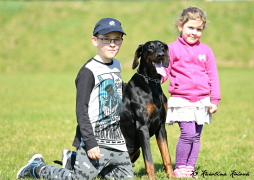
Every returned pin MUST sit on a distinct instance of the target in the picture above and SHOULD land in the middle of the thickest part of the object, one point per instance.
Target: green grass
(44, 44)
(56, 36)
(37, 113)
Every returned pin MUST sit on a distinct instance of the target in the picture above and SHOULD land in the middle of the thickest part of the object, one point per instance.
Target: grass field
(56, 36)
(38, 116)
(44, 44)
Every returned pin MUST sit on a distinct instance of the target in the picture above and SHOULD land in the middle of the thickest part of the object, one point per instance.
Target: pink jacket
(192, 72)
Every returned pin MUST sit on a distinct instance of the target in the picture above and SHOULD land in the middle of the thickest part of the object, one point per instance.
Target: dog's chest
(156, 95)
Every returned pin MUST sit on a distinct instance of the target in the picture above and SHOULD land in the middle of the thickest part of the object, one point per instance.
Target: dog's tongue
(159, 68)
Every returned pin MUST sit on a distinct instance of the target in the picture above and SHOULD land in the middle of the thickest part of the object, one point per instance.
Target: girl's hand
(213, 108)
(94, 153)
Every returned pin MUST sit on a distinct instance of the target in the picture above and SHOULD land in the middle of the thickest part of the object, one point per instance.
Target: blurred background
(56, 36)
(43, 44)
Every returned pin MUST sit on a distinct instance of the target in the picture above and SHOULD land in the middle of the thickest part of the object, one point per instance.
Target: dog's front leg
(144, 139)
(161, 138)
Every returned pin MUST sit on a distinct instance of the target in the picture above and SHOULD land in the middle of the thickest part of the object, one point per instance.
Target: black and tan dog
(144, 107)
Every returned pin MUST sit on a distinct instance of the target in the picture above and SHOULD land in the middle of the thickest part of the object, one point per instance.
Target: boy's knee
(84, 168)
(84, 172)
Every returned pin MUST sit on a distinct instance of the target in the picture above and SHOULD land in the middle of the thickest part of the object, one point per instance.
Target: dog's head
(155, 53)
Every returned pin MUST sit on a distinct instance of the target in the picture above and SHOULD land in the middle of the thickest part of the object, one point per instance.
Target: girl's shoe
(185, 172)
(180, 171)
(190, 172)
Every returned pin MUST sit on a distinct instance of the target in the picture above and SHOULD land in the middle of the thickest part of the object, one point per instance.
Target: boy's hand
(213, 108)
(94, 153)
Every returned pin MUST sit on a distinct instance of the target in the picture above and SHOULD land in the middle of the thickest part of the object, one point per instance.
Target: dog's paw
(171, 176)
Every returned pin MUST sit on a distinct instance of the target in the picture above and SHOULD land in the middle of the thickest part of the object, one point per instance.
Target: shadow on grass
(158, 167)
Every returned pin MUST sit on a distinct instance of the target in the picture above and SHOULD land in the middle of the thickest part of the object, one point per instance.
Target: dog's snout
(160, 54)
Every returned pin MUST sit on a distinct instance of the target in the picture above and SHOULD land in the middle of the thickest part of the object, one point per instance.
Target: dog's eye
(151, 47)
(160, 45)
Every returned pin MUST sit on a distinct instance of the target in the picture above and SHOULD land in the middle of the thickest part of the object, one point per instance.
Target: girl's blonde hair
(192, 13)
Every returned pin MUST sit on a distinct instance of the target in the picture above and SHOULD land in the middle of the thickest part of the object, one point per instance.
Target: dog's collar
(157, 81)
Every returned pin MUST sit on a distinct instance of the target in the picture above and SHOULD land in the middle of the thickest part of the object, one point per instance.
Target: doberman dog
(144, 107)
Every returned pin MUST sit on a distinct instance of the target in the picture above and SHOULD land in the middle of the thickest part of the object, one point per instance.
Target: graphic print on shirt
(107, 128)
(202, 57)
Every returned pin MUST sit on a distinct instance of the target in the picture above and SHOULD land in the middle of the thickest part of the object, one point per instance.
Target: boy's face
(109, 50)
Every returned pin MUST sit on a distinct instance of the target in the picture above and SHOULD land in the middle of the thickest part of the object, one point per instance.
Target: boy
(101, 148)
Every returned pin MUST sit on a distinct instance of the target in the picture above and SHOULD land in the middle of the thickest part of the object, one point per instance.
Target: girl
(194, 87)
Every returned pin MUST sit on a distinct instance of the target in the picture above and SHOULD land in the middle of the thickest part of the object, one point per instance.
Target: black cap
(107, 25)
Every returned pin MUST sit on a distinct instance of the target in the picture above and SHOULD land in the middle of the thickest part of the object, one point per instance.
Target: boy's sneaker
(68, 159)
(29, 169)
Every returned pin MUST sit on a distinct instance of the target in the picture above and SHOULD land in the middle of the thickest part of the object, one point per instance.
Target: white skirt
(182, 110)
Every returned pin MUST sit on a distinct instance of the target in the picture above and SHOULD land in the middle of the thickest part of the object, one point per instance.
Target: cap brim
(105, 31)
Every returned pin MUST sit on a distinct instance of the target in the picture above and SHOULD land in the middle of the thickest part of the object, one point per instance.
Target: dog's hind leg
(161, 138)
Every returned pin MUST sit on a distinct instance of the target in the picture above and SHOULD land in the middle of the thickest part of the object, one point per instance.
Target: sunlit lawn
(37, 112)
(44, 44)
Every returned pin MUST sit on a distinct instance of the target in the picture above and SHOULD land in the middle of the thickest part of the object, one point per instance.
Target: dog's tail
(58, 162)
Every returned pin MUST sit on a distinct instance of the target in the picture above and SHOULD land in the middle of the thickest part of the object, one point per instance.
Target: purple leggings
(188, 145)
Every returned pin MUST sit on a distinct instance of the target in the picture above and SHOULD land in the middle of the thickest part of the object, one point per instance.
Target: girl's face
(191, 30)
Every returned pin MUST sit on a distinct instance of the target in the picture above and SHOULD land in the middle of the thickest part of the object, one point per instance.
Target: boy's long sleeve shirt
(98, 105)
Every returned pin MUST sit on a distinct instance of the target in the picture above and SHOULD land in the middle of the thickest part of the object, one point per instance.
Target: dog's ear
(137, 56)
(166, 57)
